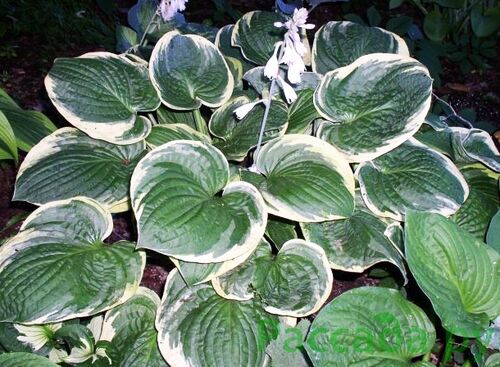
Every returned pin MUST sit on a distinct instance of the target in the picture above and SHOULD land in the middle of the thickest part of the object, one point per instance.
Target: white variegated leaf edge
(46, 147)
(414, 122)
(12, 246)
(326, 151)
(464, 134)
(110, 131)
(234, 36)
(179, 127)
(449, 165)
(403, 47)
(164, 40)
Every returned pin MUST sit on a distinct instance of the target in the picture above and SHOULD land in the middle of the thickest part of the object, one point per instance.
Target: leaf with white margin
(162, 134)
(439, 140)
(130, 328)
(305, 179)
(189, 71)
(223, 43)
(236, 137)
(302, 112)
(196, 327)
(18, 359)
(174, 191)
(296, 282)
(256, 35)
(279, 230)
(196, 273)
(101, 93)
(69, 163)
(482, 203)
(369, 326)
(461, 280)
(412, 176)
(376, 103)
(191, 118)
(472, 145)
(356, 243)
(57, 267)
(338, 44)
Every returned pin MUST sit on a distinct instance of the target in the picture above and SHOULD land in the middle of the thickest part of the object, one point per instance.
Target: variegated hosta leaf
(174, 191)
(279, 231)
(130, 328)
(338, 44)
(369, 326)
(255, 34)
(236, 137)
(196, 327)
(19, 359)
(69, 163)
(161, 134)
(302, 112)
(376, 103)
(472, 145)
(482, 203)
(412, 176)
(100, 93)
(223, 43)
(439, 140)
(236, 69)
(305, 179)
(57, 267)
(196, 273)
(456, 271)
(356, 243)
(188, 71)
(192, 118)
(295, 283)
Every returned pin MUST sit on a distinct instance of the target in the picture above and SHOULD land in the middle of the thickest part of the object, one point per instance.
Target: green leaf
(125, 38)
(161, 134)
(236, 137)
(57, 267)
(482, 203)
(338, 44)
(457, 4)
(5, 99)
(296, 282)
(189, 71)
(191, 118)
(435, 26)
(474, 145)
(69, 163)
(223, 43)
(393, 4)
(287, 350)
(356, 243)
(302, 112)
(493, 360)
(493, 235)
(456, 271)
(412, 176)
(256, 35)
(18, 359)
(485, 23)
(8, 145)
(304, 179)
(369, 326)
(234, 333)
(373, 16)
(101, 93)
(130, 328)
(439, 140)
(377, 103)
(140, 15)
(9, 341)
(279, 231)
(174, 191)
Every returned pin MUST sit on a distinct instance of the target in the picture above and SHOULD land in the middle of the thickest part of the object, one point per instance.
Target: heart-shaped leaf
(412, 176)
(223, 43)
(162, 134)
(174, 191)
(189, 71)
(57, 267)
(356, 243)
(295, 283)
(369, 326)
(232, 333)
(304, 179)
(101, 93)
(130, 328)
(456, 271)
(338, 44)
(18, 359)
(69, 163)
(236, 137)
(256, 35)
(376, 103)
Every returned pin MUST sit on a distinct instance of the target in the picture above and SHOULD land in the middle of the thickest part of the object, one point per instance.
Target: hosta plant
(258, 167)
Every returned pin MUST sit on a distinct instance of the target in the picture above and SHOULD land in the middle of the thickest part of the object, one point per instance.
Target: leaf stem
(153, 17)
(448, 350)
(453, 112)
(200, 123)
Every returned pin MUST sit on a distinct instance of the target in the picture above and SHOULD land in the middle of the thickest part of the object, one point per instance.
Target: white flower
(272, 66)
(290, 94)
(36, 336)
(243, 110)
(168, 8)
(57, 355)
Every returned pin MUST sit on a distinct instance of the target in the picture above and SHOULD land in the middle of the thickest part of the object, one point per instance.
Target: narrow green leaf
(8, 145)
